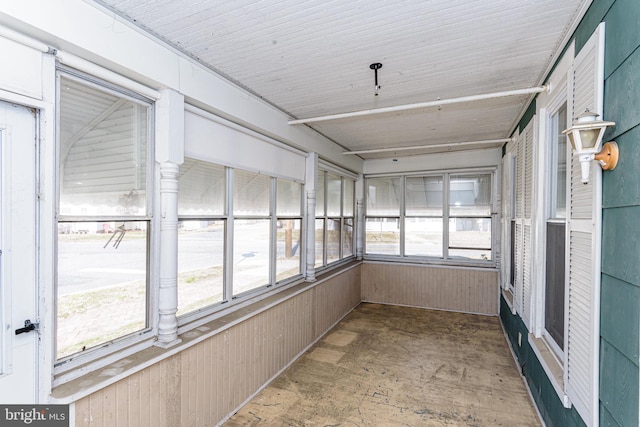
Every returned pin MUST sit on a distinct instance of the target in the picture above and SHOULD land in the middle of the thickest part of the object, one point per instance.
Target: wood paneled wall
(205, 383)
(446, 288)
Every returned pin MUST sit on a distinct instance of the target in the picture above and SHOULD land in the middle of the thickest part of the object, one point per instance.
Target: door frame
(45, 214)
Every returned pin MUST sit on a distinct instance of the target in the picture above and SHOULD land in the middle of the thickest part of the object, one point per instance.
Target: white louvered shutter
(584, 225)
(505, 219)
(519, 217)
(527, 250)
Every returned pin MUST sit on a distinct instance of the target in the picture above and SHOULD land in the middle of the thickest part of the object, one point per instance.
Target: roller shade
(213, 139)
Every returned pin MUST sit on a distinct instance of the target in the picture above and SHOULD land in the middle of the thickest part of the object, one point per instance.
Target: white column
(169, 155)
(310, 211)
(360, 225)
(311, 236)
(168, 283)
(360, 229)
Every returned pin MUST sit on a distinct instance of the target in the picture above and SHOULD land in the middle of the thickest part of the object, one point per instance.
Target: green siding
(621, 186)
(590, 22)
(620, 320)
(620, 291)
(549, 404)
(621, 95)
(620, 44)
(620, 248)
(606, 420)
(528, 115)
(618, 385)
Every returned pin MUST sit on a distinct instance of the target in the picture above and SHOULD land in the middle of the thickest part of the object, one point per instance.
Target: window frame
(446, 259)
(554, 108)
(64, 368)
(224, 217)
(322, 214)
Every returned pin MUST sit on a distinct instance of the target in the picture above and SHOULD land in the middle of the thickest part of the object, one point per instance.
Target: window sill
(551, 366)
(111, 373)
(432, 261)
(508, 297)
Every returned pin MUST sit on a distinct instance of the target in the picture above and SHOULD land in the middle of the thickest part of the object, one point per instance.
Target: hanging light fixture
(375, 67)
(585, 137)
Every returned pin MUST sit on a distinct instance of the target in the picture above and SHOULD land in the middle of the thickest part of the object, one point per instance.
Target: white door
(18, 268)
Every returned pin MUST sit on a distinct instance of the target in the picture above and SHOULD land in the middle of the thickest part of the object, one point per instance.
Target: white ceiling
(311, 58)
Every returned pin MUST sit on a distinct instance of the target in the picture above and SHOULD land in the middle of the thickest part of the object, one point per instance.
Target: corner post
(169, 156)
(310, 205)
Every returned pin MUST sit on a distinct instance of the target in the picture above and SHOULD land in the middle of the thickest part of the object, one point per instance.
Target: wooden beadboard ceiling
(311, 58)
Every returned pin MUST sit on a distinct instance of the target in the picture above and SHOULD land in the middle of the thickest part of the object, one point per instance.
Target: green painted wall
(551, 409)
(620, 293)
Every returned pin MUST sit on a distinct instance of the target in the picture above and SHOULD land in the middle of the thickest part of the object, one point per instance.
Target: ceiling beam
(437, 103)
(421, 147)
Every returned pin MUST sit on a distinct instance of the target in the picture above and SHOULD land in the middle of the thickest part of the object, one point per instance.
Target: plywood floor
(388, 365)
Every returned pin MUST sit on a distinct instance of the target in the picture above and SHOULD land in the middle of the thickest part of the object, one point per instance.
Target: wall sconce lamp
(586, 137)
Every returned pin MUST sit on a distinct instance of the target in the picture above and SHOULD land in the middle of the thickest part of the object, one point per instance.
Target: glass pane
(423, 237)
(559, 164)
(424, 195)
(250, 193)
(474, 254)
(383, 196)
(250, 254)
(202, 188)
(347, 238)
(334, 194)
(347, 208)
(319, 242)
(289, 197)
(470, 195)
(333, 240)
(200, 264)
(554, 291)
(320, 194)
(103, 152)
(102, 283)
(288, 248)
(470, 233)
(383, 236)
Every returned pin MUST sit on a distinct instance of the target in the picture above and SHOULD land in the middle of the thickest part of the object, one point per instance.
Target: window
(264, 231)
(334, 218)
(289, 234)
(382, 224)
(442, 216)
(423, 216)
(512, 186)
(201, 235)
(470, 216)
(103, 214)
(554, 292)
(251, 230)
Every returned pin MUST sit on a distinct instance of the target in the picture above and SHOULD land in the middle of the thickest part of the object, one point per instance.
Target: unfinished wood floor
(387, 365)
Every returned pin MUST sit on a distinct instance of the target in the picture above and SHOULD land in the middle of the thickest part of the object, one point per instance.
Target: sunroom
(217, 188)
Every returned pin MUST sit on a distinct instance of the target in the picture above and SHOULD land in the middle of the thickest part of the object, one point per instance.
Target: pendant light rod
(419, 147)
(439, 102)
(375, 67)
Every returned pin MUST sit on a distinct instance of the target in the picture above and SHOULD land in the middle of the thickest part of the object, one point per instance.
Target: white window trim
(345, 176)
(560, 97)
(509, 164)
(494, 216)
(552, 361)
(78, 364)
